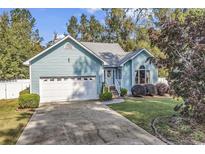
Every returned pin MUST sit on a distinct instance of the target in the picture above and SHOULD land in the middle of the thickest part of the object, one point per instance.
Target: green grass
(12, 121)
(142, 111)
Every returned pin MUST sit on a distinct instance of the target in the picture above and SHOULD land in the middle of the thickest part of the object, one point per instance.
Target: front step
(114, 92)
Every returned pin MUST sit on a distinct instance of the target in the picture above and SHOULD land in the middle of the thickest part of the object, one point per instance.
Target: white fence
(10, 89)
(162, 80)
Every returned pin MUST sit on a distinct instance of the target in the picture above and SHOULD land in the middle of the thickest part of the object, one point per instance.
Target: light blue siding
(55, 63)
(141, 60)
(126, 81)
(130, 67)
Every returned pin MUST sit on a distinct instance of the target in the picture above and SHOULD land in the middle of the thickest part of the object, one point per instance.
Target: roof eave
(26, 63)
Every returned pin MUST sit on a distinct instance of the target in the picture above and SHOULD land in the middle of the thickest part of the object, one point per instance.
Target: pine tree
(73, 27)
(84, 28)
(19, 42)
(120, 28)
(96, 29)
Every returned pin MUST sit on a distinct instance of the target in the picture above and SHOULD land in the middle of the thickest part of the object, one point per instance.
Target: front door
(109, 76)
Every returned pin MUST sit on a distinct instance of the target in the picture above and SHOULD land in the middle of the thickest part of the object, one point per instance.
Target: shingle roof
(109, 53)
(129, 55)
(112, 53)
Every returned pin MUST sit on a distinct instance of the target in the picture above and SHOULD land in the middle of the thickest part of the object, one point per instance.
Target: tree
(113, 21)
(129, 28)
(95, 29)
(4, 31)
(73, 27)
(19, 42)
(119, 28)
(84, 28)
(179, 39)
(143, 19)
(87, 30)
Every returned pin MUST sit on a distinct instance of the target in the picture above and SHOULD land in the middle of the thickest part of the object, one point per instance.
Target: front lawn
(181, 130)
(174, 129)
(142, 111)
(12, 121)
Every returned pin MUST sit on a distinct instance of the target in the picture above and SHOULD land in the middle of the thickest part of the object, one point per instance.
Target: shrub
(106, 96)
(105, 89)
(25, 91)
(150, 89)
(123, 91)
(28, 100)
(138, 90)
(162, 88)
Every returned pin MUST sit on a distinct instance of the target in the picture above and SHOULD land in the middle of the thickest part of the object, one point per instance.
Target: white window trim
(138, 78)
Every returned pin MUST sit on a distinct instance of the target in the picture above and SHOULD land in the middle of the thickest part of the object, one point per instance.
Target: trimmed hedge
(138, 90)
(106, 96)
(150, 90)
(123, 91)
(162, 88)
(28, 101)
(25, 91)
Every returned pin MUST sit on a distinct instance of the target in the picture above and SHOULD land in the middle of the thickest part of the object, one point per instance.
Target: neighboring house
(72, 70)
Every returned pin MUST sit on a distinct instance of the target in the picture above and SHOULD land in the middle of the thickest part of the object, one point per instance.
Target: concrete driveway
(82, 123)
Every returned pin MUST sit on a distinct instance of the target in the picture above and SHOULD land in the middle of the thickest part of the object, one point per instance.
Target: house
(73, 70)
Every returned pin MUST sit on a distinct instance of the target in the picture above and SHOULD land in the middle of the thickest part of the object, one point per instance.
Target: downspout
(132, 73)
(113, 72)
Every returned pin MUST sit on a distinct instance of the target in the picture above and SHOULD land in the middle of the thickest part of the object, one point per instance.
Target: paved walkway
(82, 123)
(114, 101)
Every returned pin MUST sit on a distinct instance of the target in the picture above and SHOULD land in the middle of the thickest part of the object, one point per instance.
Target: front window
(142, 75)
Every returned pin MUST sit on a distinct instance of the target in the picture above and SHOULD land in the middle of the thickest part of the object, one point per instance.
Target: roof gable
(132, 55)
(67, 37)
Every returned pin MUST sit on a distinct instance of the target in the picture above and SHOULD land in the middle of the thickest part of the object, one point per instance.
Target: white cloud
(92, 10)
(60, 36)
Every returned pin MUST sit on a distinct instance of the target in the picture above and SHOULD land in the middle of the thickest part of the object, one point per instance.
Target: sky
(49, 21)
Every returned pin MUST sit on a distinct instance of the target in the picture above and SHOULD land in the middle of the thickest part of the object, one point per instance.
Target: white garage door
(67, 88)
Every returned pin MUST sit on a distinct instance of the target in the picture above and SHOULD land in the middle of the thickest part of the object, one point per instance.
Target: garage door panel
(75, 88)
(57, 87)
(59, 94)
